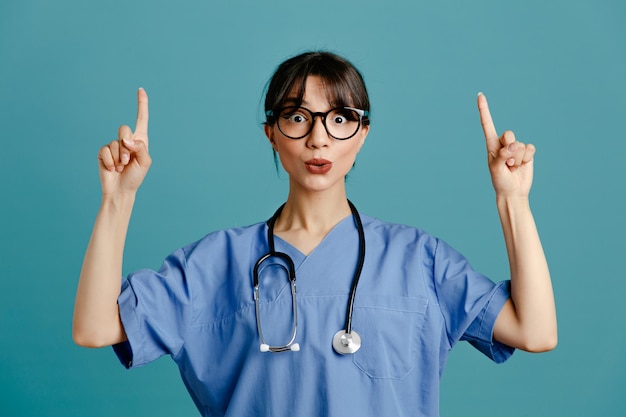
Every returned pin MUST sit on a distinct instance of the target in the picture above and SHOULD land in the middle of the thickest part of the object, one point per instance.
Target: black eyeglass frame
(363, 119)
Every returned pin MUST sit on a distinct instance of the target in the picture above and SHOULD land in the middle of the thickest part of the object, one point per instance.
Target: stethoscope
(346, 340)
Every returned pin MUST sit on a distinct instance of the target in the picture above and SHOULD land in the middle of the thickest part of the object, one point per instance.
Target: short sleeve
(155, 308)
(469, 302)
(480, 332)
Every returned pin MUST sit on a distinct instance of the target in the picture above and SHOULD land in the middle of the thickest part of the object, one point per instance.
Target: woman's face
(317, 162)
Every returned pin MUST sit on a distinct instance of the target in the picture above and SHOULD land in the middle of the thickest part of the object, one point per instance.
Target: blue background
(553, 72)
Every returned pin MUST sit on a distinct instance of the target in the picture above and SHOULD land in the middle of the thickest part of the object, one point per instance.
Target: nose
(319, 136)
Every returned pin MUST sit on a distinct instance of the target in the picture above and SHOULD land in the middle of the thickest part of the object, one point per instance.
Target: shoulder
(396, 232)
(404, 234)
(230, 240)
(396, 240)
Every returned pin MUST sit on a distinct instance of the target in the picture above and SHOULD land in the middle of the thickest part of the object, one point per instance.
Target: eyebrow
(303, 103)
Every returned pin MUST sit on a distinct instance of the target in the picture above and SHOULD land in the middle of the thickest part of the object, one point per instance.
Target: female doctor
(378, 306)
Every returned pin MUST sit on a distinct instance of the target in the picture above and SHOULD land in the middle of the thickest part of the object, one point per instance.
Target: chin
(320, 184)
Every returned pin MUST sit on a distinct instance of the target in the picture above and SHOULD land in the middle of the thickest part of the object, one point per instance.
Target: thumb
(506, 156)
(139, 150)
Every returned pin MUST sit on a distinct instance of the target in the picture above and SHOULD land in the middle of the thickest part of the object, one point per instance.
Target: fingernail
(510, 162)
(512, 147)
(480, 93)
(128, 142)
(125, 158)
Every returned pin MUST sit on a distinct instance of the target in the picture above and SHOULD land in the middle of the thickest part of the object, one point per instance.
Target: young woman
(378, 306)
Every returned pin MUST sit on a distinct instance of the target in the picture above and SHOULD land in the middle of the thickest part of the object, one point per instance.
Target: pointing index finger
(141, 126)
(489, 130)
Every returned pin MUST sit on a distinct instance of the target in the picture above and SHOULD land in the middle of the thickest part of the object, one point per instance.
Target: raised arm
(123, 165)
(528, 319)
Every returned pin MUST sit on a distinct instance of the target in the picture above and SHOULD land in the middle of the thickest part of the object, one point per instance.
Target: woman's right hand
(124, 163)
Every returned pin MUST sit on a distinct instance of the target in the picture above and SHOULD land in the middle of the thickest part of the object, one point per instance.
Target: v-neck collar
(297, 256)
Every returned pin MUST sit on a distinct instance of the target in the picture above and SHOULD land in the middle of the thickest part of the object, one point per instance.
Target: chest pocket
(390, 327)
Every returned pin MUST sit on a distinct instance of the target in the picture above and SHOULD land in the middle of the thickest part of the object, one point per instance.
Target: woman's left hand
(510, 161)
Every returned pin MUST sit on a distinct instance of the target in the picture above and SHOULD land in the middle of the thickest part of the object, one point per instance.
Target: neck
(315, 213)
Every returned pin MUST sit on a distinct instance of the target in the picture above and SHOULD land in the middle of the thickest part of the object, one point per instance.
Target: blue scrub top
(416, 298)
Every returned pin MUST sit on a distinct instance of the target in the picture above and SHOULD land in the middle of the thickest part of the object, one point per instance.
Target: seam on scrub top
(191, 302)
(230, 315)
(395, 310)
(243, 309)
(443, 317)
(419, 301)
(482, 321)
(485, 309)
(225, 318)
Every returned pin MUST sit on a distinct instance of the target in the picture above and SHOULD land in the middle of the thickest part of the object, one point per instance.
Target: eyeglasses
(340, 123)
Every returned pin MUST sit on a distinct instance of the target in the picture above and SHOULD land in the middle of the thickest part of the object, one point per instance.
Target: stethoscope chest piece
(346, 343)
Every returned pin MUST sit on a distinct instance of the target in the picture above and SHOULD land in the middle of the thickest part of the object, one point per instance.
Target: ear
(362, 135)
(269, 133)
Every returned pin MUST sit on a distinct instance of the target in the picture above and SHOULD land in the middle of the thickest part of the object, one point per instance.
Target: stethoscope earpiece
(294, 347)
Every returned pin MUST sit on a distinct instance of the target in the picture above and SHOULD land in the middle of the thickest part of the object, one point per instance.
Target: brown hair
(343, 82)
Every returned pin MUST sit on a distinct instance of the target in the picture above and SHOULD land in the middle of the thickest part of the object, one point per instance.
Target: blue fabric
(416, 298)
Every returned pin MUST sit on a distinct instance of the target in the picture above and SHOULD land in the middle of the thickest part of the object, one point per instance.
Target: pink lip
(318, 166)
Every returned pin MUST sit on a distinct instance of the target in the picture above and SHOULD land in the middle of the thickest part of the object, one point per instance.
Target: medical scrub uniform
(416, 298)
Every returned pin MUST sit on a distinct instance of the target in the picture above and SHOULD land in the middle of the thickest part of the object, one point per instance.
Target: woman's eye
(343, 116)
(297, 118)
(294, 116)
(338, 120)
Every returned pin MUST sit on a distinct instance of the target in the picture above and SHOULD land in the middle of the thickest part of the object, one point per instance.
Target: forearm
(531, 288)
(96, 313)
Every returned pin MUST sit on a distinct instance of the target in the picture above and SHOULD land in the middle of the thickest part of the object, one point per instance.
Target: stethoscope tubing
(359, 268)
(345, 341)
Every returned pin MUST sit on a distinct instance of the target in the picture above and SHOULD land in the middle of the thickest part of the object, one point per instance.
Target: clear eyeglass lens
(296, 122)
